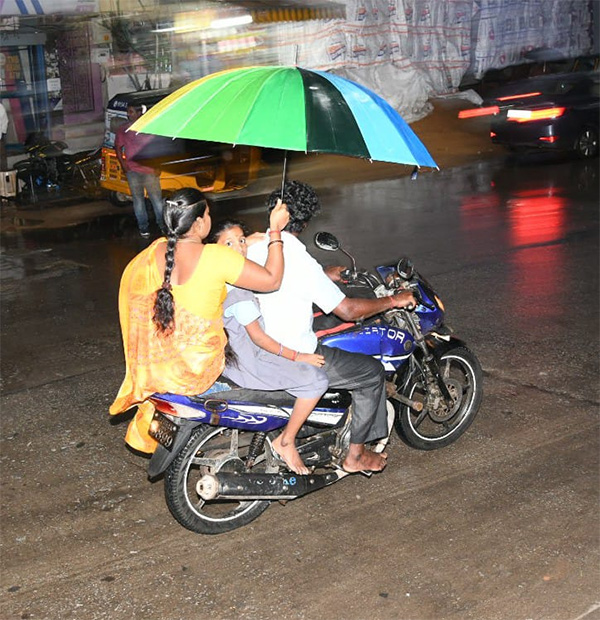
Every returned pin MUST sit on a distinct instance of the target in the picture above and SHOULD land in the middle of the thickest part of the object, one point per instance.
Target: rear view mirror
(405, 268)
(327, 241)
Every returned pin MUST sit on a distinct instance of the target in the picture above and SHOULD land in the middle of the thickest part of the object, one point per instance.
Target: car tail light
(492, 134)
(494, 109)
(524, 96)
(525, 116)
(550, 139)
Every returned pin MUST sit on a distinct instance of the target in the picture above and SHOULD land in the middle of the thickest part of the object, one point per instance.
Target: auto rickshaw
(208, 166)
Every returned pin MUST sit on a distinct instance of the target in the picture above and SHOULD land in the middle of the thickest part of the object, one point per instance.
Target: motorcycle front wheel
(210, 450)
(441, 423)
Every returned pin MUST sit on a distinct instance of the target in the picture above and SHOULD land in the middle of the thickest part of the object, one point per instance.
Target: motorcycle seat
(332, 399)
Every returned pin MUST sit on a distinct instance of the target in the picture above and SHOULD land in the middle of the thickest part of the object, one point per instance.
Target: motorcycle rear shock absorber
(256, 447)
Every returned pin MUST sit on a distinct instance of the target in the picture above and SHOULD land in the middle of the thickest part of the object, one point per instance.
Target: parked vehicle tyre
(586, 145)
(210, 449)
(119, 199)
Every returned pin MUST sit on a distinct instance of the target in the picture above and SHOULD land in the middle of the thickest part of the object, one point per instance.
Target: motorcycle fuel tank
(376, 340)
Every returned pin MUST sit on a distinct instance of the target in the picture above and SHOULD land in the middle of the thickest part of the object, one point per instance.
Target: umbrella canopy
(287, 108)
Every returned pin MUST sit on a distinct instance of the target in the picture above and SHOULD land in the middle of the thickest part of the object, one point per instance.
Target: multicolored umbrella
(287, 108)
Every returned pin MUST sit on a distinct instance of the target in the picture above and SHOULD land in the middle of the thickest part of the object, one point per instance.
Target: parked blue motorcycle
(220, 472)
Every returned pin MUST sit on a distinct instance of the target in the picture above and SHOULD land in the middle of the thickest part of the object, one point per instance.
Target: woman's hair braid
(164, 307)
(180, 213)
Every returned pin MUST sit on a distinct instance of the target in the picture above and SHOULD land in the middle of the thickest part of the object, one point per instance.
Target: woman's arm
(264, 341)
(268, 278)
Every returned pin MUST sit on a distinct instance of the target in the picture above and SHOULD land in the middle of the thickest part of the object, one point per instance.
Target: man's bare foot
(361, 459)
(289, 455)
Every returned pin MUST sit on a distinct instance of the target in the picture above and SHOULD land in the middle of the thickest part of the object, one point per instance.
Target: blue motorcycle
(220, 472)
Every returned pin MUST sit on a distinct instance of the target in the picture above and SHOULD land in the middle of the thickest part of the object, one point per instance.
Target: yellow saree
(190, 358)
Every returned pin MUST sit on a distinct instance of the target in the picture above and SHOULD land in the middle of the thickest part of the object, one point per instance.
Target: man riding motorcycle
(288, 316)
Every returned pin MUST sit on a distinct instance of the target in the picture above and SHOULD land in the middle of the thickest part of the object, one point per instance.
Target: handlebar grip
(346, 276)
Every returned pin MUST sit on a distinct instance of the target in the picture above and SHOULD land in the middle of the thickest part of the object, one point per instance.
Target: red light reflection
(537, 218)
(526, 228)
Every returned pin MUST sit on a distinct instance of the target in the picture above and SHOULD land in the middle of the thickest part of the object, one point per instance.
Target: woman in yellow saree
(171, 307)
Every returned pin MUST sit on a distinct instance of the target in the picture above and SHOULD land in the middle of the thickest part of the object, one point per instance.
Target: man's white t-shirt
(288, 312)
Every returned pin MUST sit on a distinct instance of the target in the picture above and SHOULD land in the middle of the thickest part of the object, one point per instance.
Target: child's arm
(264, 341)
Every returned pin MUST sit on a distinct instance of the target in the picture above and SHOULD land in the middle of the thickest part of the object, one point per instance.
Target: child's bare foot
(361, 459)
(289, 455)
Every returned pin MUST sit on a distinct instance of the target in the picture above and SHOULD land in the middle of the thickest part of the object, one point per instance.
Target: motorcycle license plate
(163, 430)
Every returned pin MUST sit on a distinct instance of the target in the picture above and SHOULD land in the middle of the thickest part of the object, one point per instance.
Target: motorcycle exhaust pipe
(262, 486)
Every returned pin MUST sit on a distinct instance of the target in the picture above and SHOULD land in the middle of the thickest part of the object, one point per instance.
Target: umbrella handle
(283, 175)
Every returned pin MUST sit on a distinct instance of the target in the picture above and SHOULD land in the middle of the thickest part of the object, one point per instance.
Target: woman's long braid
(180, 213)
(164, 308)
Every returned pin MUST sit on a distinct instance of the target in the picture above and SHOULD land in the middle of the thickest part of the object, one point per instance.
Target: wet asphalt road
(502, 525)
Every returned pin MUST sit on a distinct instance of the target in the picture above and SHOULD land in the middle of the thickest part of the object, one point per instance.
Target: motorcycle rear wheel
(190, 510)
(439, 425)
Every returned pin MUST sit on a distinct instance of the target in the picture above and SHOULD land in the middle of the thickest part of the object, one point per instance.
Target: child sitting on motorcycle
(260, 362)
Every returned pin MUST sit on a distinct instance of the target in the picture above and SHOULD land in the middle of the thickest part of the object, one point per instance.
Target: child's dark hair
(180, 212)
(219, 227)
(302, 203)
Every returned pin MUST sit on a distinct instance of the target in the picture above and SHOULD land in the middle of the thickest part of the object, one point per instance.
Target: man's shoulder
(291, 244)
(288, 237)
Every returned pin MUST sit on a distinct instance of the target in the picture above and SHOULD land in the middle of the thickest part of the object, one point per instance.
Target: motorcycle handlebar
(350, 276)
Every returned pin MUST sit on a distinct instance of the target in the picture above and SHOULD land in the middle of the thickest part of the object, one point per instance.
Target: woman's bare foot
(289, 455)
(361, 459)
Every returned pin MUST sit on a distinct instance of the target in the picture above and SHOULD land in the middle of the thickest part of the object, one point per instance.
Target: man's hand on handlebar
(404, 300)
(334, 272)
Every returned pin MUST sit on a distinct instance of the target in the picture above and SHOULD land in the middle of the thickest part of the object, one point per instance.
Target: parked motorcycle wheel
(438, 424)
(217, 516)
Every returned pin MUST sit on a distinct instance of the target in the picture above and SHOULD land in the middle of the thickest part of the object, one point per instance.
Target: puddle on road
(33, 265)
(22, 221)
